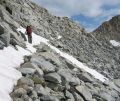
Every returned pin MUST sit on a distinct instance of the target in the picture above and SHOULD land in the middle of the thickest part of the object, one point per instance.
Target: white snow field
(115, 43)
(10, 59)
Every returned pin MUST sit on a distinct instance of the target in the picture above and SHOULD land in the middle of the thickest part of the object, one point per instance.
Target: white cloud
(90, 8)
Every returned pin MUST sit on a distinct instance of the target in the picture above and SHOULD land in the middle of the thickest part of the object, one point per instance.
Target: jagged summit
(109, 30)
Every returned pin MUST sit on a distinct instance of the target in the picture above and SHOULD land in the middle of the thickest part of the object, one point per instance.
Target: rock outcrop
(109, 30)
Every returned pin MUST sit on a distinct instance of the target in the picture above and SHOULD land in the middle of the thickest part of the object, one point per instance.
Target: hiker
(29, 33)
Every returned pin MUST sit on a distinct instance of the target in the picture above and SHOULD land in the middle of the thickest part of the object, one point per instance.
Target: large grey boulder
(53, 77)
(53, 58)
(43, 47)
(55, 86)
(5, 38)
(84, 92)
(46, 66)
(69, 95)
(26, 71)
(117, 82)
(1, 45)
(26, 98)
(85, 77)
(68, 77)
(1, 29)
(34, 95)
(27, 68)
(106, 97)
(11, 36)
(23, 36)
(34, 67)
(38, 80)
(19, 92)
(57, 94)
(77, 97)
(27, 65)
(41, 90)
(17, 99)
(26, 81)
(7, 18)
(48, 98)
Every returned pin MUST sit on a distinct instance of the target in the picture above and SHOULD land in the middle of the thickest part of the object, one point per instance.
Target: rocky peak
(109, 29)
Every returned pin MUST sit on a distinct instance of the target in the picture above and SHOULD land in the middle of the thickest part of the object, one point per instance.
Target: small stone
(25, 81)
(19, 92)
(53, 77)
(117, 82)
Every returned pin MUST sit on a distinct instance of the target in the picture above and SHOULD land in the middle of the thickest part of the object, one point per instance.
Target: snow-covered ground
(115, 43)
(37, 39)
(10, 59)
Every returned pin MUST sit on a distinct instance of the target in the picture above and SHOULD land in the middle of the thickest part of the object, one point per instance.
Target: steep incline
(86, 47)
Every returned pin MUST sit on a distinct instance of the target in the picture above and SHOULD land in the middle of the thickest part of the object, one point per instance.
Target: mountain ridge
(92, 49)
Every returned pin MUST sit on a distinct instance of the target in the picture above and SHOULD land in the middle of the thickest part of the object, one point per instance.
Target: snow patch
(115, 43)
(80, 64)
(10, 59)
(59, 37)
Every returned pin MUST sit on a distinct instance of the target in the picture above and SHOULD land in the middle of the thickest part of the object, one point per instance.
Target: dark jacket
(29, 30)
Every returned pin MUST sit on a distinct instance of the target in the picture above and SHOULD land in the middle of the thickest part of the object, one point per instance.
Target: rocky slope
(110, 30)
(49, 77)
(93, 49)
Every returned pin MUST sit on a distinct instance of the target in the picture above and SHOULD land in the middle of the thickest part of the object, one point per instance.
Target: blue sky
(88, 13)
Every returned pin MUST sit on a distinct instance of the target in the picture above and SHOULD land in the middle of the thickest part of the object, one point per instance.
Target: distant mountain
(109, 30)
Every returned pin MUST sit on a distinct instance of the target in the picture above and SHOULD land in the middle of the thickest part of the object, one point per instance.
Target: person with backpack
(29, 33)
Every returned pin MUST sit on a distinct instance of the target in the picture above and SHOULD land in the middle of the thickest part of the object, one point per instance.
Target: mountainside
(90, 48)
(109, 30)
(65, 82)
